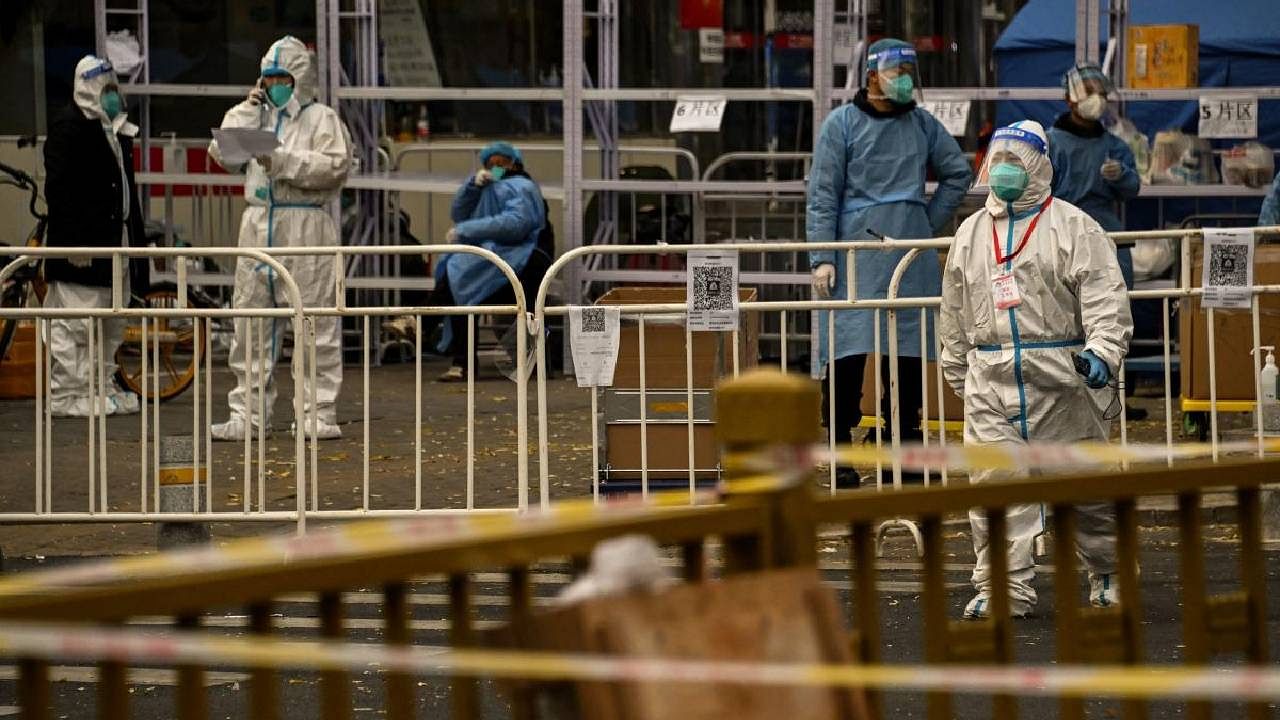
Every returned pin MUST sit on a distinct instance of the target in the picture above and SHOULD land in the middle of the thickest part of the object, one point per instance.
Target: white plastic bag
(619, 566)
(1250, 163)
(124, 52)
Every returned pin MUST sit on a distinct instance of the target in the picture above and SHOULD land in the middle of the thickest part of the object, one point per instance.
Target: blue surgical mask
(1008, 181)
(280, 94)
(112, 104)
(498, 172)
(899, 89)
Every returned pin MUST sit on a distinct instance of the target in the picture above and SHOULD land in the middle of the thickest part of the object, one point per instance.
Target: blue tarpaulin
(1239, 46)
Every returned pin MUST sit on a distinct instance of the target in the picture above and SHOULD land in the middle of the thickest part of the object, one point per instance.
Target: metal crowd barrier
(51, 489)
(767, 518)
(933, 411)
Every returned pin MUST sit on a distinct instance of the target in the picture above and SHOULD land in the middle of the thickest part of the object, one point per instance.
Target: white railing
(890, 307)
(50, 501)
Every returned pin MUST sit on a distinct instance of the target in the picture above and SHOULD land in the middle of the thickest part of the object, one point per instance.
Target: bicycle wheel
(177, 339)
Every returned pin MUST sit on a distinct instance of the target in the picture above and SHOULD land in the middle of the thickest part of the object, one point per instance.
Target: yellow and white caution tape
(67, 643)
(370, 537)
(1039, 456)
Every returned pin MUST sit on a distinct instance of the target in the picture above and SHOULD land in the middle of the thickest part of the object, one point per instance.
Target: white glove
(451, 237)
(80, 261)
(1112, 170)
(824, 278)
(483, 177)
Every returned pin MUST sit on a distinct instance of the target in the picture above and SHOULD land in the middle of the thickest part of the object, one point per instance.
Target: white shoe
(980, 607)
(232, 430)
(454, 374)
(1104, 590)
(123, 402)
(324, 430)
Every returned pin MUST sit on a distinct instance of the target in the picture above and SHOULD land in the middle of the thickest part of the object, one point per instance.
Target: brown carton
(1233, 333)
(1163, 56)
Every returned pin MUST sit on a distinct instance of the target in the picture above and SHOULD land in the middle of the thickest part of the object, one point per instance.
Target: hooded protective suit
(1013, 365)
(287, 207)
(92, 203)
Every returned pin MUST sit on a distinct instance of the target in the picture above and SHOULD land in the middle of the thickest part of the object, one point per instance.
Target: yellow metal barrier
(767, 517)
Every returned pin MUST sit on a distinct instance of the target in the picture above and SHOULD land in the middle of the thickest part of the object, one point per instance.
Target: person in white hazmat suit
(287, 194)
(93, 202)
(1029, 282)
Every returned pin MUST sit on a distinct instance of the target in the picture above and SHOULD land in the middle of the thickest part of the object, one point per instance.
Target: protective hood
(1027, 142)
(93, 75)
(292, 56)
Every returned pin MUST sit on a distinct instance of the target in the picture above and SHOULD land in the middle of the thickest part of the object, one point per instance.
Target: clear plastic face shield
(1090, 89)
(897, 78)
(1016, 169)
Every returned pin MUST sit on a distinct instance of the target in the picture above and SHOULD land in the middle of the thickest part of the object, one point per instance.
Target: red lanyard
(995, 240)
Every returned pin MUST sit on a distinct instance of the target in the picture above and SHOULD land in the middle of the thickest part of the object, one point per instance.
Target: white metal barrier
(892, 306)
(308, 468)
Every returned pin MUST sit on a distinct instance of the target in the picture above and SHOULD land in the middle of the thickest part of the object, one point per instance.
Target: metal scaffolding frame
(347, 52)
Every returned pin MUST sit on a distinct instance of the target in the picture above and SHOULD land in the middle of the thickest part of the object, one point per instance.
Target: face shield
(1017, 169)
(897, 79)
(1089, 89)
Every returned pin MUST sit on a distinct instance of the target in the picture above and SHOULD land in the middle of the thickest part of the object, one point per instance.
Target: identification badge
(1004, 290)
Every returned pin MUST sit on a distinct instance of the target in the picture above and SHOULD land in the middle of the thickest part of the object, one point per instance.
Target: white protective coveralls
(287, 207)
(70, 364)
(1013, 366)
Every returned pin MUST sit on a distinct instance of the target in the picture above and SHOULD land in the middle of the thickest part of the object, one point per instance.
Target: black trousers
(530, 275)
(849, 373)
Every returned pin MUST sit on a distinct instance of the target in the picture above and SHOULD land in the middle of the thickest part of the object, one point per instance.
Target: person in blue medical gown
(870, 162)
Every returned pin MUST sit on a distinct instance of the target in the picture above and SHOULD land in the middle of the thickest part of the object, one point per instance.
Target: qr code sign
(593, 320)
(1229, 265)
(713, 288)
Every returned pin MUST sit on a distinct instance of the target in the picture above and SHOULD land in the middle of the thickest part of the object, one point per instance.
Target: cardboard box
(954, 406)
(1163, 56)
(1233, 333)
(18, 370)
(666, 399)
(778, 616)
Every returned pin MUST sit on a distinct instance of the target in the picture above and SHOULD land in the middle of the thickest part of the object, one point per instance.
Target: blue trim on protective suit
(1037, 345)
(281, 114)
(1017, 339)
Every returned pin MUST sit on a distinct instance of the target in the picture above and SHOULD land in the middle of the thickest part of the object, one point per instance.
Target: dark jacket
(82, 191)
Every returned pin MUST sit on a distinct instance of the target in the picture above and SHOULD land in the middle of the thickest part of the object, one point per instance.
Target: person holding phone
(287, 193)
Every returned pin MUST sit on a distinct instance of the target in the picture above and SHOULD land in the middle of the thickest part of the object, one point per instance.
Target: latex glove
(824, 278)
(483, 177)
(1099, 374)
(265, 162)
(1112, 170)
(451, 237)
(80, 261)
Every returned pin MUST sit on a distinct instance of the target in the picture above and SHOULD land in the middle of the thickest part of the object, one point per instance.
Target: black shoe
(1134, 414)
(848, 479)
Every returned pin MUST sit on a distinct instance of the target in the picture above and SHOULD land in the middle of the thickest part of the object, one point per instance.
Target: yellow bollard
(768, 422)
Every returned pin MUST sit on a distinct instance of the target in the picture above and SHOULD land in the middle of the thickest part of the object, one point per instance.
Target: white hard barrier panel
(321, 475)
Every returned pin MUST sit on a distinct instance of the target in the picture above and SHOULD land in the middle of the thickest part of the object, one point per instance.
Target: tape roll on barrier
(131, 648)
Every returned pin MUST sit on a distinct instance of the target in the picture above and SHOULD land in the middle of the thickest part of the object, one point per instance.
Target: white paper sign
(711, 45)
(1227, 276)
(711, 291)
(593, 340)
(238, 145)
(1234, 117)
(407, 54)
(698, 114)
(953, 114)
